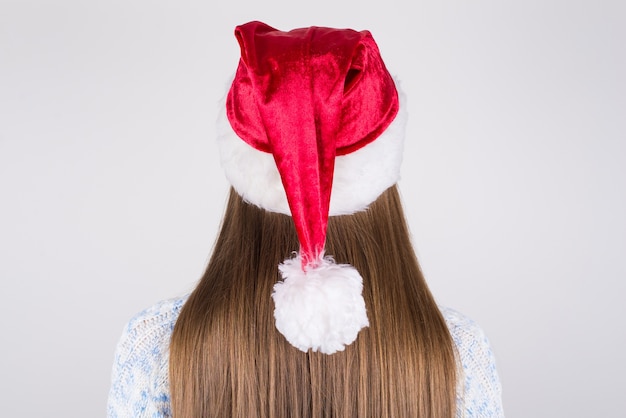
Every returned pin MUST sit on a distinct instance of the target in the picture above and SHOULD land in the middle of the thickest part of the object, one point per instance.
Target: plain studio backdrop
(514, 180)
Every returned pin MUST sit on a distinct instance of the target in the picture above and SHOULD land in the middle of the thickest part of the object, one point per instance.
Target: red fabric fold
(306, 96)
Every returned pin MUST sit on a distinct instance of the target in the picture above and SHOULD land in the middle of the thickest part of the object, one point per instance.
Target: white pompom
(322, 309)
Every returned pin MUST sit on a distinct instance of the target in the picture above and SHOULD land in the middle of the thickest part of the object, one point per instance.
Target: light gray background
(514, 179)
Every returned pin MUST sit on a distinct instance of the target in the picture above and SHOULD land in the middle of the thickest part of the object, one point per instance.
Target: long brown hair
(228, 360)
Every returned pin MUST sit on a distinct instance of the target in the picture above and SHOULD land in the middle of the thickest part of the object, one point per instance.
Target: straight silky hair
(228, 360)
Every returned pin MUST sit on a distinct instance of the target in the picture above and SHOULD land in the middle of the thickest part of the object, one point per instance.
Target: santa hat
(314, 128)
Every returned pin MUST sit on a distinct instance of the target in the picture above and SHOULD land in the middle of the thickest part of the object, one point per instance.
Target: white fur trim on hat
(359, 177)
(322, 309)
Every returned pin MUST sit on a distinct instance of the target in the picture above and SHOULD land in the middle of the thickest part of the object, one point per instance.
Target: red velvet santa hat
(313, 130)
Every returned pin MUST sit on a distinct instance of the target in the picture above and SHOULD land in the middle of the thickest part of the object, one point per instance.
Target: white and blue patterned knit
(140, 387)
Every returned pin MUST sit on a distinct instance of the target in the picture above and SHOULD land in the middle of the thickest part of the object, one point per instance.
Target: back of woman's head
(345, 326)
(228, 359)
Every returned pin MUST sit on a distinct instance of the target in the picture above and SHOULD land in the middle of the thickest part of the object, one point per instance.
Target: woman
(312, 144)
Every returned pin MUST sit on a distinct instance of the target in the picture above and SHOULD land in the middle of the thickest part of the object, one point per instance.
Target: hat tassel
(322, 308)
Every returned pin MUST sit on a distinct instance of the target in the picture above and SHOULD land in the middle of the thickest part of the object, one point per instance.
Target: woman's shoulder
(149, 331)
(162, 314)
(139, 381)
(480, 391)
(465, 331)
(151, 327)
